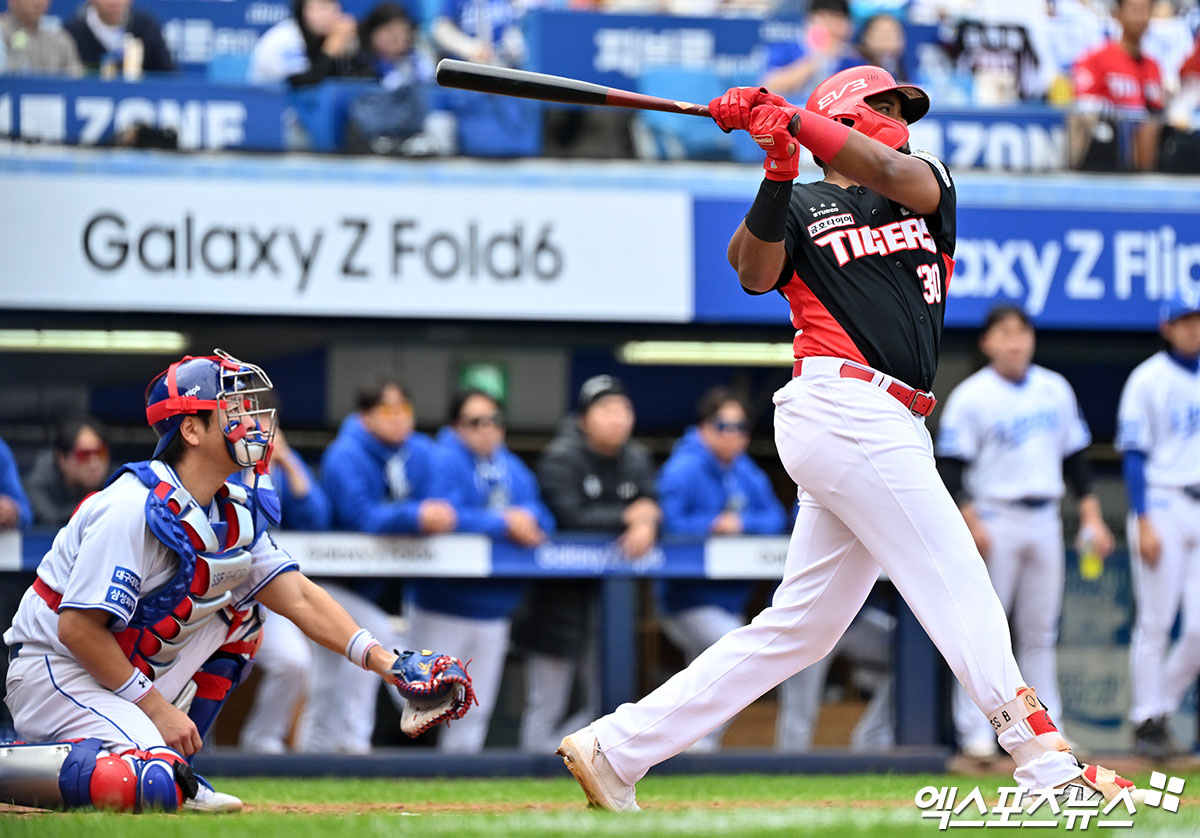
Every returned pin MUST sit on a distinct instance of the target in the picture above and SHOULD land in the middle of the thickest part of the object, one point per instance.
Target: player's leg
(827, 577)
(482, 642)
(870, 462)
(868, 645)
(1157, 592)
(800, 705)
(692, 631)
(548, 682)
(285, 661)
(1038, 605)
(1183, 663)
(1005, 567)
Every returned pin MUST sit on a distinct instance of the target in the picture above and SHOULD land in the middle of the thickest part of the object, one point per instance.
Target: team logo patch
(824, 209)
(819, 227)
(121, 598)
(125, 576)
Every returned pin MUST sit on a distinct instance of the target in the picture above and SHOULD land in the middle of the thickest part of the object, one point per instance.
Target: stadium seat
(321, 110)
(673, 136)
(228, 68)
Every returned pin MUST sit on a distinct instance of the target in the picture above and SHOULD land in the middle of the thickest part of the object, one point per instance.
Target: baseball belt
(918, 401)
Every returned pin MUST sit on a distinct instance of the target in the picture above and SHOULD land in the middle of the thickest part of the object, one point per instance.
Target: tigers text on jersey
(106, 558)
(866, 278)
(1013, 436)
(1159, 415)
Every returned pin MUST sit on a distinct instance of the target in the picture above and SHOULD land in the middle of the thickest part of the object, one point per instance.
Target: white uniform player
(1011, 426)
(863, 258)
(143, 616)
(1158, 431)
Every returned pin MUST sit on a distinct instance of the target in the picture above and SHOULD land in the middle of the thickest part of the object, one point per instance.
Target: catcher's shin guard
(229, 666)
(72, 775)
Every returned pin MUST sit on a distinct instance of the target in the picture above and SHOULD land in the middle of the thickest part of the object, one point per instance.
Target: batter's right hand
(1149, 544)
(731, 110)
(177, 730)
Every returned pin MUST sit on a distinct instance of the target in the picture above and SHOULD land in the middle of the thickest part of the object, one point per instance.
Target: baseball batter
(1006, 438)
(144, 614)
(1158, 431)
(863, 259)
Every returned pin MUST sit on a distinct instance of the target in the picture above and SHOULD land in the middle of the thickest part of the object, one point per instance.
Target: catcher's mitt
(437, 688)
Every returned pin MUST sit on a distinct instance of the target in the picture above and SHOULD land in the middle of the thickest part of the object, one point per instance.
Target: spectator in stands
(32, 48)
(285, 657)
(1119, 99)
(14, 507)
(1002, 45)
(112, 30)
(317, 42)
(493, 493)
(881, 42)
(710, 486)
(76, 465)
(1185, 105)
(380, 478)
(484, 31)
(382, 121)
(596, 480)
(794, 68)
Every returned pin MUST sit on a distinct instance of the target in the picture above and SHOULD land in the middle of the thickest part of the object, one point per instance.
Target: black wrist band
(767, 218)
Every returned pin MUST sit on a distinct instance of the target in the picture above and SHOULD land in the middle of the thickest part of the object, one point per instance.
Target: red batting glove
(769, 128)
(732, 109)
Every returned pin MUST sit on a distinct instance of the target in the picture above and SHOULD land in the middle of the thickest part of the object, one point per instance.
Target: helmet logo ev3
(217, 382)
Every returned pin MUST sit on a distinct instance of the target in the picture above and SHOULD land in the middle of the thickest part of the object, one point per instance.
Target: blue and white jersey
(1013, 436)
(1159, 415)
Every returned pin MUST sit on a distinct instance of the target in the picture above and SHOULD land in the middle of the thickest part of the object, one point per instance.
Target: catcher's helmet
(842, 97)
(1180, 304)
(217, 382)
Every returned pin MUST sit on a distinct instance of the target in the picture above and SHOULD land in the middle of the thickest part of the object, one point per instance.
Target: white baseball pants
(485, 644)
(870, 497)
(285, 661)
(1160, 679)
(1027, 568)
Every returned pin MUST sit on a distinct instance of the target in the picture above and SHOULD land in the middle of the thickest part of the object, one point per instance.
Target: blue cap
(1180, 304)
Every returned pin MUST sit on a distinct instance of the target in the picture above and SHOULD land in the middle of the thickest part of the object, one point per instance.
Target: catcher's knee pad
(72, 775)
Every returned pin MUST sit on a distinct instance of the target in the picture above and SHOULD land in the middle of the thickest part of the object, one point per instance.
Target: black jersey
(866, 279)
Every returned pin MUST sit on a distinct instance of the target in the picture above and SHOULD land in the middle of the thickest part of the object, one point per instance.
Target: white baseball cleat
(208, 800)
(604, 789)
(1103, 783)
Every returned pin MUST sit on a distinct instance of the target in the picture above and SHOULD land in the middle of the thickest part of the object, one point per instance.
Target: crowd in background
(1131, 69)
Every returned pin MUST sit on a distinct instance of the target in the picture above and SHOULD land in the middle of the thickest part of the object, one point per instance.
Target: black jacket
(586, 491)
(143, 25)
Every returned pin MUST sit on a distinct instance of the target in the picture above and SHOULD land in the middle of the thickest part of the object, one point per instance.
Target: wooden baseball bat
(525, 84)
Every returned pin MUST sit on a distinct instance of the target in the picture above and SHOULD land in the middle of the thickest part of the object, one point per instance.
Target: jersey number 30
(931, 278)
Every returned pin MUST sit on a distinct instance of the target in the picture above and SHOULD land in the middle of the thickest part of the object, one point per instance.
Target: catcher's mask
(217, 382)
(843, 97)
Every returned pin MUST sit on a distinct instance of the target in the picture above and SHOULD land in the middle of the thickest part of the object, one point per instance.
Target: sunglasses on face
(83, 455)
(495, 419)
(730, 427)
(394, 410)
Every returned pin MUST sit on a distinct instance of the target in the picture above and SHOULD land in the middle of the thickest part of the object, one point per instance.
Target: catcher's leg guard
(71, 775)
(229, 666)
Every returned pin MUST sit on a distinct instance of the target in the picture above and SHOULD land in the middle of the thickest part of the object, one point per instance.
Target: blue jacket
(10, 484)
(470, 489)
(311, 512)
(693, 489)
(355, 475)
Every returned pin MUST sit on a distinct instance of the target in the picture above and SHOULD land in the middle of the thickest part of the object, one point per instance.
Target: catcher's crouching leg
(229, 666)
(72, 775)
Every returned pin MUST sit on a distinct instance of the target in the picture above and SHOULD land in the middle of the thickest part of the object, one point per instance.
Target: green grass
(743, 805)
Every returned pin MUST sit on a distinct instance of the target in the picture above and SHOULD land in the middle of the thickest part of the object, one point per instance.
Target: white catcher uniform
(106, 558)
(1014, 437)
(1159, 415)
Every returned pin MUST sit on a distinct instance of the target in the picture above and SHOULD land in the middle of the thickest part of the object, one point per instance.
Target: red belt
(918, 401)
(51, 597)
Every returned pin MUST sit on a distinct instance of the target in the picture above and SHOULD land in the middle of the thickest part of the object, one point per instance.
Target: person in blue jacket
(710, 486)
(380, 478)
(496, 494)
(15, 512)
(285, 657)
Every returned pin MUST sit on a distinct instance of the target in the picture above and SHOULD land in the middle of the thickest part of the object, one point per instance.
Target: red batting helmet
(842, 97)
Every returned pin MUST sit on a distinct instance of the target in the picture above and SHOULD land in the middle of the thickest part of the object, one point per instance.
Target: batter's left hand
(769, 128)
(731, 110)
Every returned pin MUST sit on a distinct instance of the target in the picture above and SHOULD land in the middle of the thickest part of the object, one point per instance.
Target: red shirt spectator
(1109, 77)
(1191, 65)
